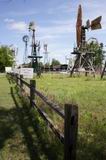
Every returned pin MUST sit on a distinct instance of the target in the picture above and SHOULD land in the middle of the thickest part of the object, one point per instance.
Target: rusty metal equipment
(83, 54)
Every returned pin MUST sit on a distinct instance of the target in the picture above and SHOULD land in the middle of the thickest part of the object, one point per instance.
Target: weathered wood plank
(54, 106)
(70, 131)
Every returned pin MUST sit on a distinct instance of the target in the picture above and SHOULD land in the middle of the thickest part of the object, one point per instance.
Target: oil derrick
(25, 57)
(103, 71)
(83, 54)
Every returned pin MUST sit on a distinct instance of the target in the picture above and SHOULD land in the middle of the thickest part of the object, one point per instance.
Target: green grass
(90, 95)
(23, 134)
(5, 95)
(12, 145)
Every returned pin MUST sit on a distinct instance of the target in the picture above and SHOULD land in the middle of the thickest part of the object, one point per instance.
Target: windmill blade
(95, 24)
(78, 26)
(88, 24)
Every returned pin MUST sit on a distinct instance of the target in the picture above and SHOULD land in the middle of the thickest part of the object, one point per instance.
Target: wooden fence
(69, 115)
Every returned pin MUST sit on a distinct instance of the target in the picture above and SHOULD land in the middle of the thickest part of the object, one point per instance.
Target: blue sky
(55, 23)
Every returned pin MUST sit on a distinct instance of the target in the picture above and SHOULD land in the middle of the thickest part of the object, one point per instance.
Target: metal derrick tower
(35, 51)
(25, 57)
(46, 58)
(83, 53)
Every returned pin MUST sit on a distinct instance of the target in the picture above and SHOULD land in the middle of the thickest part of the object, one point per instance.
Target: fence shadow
(7, 125)
(25, 128)
(48, 146)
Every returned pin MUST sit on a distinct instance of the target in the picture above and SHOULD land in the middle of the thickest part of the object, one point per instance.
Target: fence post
(70, 131)
(21, 83)
(32, 94)
(16, 77)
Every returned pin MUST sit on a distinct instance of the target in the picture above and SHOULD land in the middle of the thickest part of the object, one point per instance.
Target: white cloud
(56, 29)
(14, 25)
(48, 37)
(63, 29)
(8, 20)
(19, 26)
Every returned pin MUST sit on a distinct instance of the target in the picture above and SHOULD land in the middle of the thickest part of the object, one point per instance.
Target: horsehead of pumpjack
(81, 41)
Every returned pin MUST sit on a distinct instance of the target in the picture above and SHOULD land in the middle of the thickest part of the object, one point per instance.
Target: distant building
(61, 67)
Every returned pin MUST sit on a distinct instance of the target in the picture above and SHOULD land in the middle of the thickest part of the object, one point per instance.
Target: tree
(47, 65)
(55, 62)
(6, 57)
(98, 53)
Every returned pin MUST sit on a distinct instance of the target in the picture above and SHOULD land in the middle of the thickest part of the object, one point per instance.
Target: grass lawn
(5, 95)
(12, 143)
(90, 95)
(23, 134)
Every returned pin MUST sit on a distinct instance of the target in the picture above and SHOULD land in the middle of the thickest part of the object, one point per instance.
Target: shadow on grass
(91, 140)
(11, 81)
(41, 143)
(24, 124)
(7, 126)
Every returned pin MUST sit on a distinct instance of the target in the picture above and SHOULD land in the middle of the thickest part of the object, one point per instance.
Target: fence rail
(69, 115)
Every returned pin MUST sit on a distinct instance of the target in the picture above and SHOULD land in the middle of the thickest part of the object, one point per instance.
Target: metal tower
(46, 59)
(14, 54)
(35, 57)
(25, 57)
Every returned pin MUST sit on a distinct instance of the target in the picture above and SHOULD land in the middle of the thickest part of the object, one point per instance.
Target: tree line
(6, 57)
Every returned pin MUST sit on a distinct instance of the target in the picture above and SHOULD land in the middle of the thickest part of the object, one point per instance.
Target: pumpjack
(84, 61)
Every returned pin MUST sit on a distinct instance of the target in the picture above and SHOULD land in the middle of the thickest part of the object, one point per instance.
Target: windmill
(35, 51)
(83, 54)
(25, 40)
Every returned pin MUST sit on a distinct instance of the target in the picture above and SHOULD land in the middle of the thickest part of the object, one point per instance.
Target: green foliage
(6, 58)
(55, 62)
(98, 54)
(47, 65)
